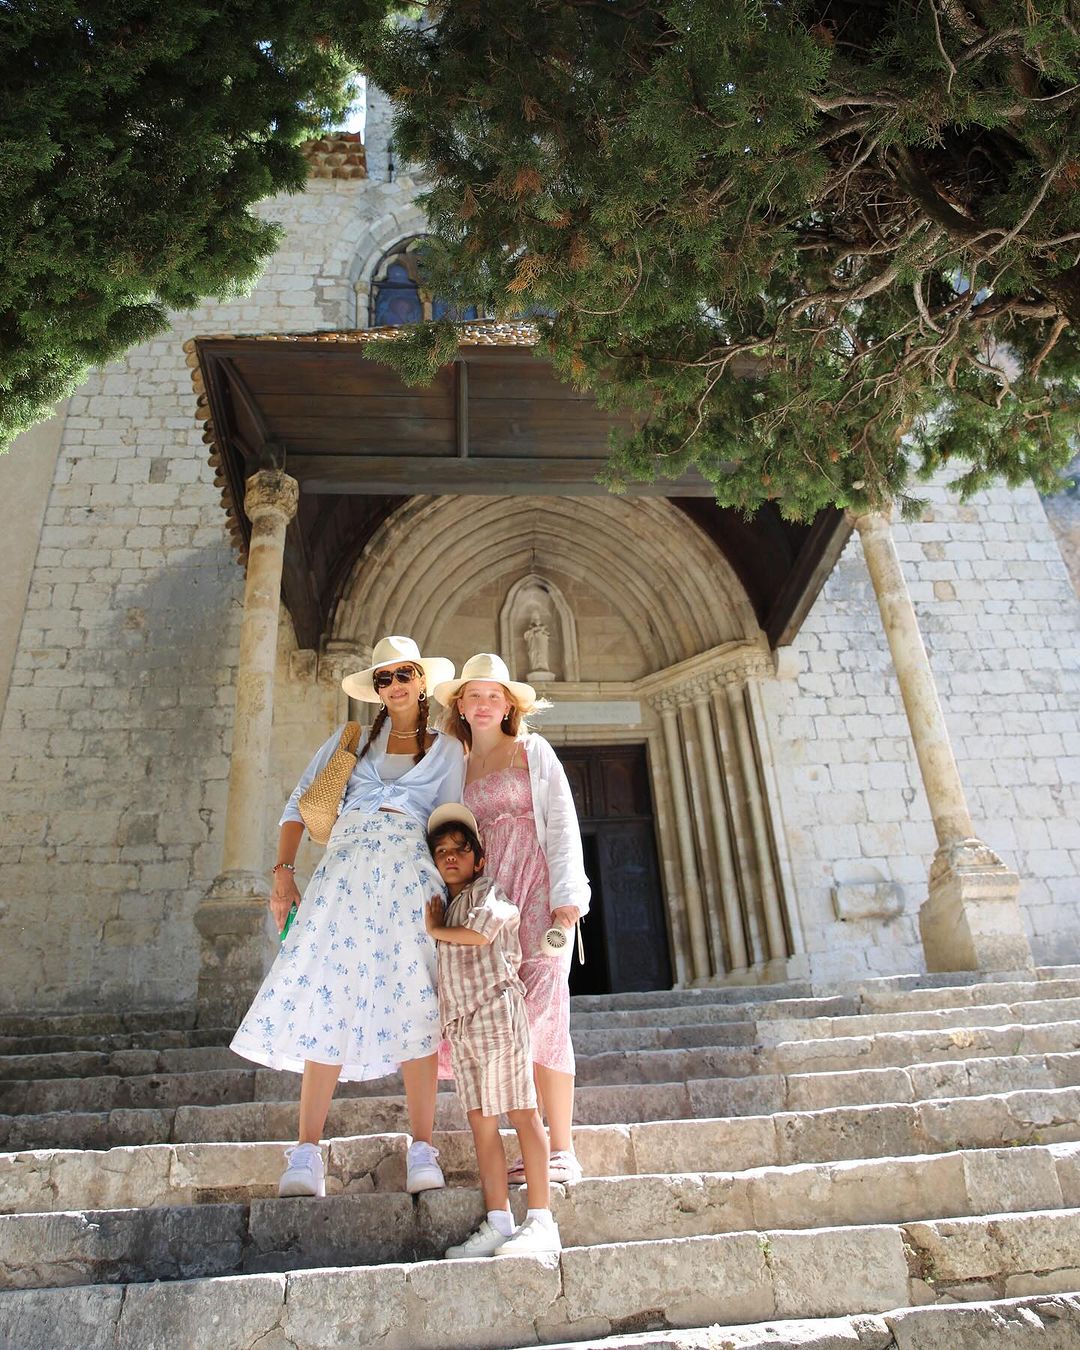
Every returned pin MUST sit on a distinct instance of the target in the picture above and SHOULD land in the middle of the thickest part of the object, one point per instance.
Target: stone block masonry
(1002, 626)
(116, 731)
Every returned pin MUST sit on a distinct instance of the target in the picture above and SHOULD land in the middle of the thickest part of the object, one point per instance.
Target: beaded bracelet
(288, 867)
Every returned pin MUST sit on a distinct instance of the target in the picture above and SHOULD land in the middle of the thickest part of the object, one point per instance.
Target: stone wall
(115, 734)
(1002, 626)
(1063, 512)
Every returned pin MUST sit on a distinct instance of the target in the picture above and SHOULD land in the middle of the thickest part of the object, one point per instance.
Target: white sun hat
(485, 666)
(397, 651)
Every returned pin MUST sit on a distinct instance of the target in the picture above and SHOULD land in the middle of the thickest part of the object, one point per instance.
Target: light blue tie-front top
(438, 778)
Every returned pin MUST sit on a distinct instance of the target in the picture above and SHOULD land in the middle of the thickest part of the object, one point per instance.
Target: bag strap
(580, 945)
(350, 737)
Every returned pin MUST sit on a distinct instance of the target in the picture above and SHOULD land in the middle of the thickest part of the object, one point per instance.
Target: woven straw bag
(321, 803)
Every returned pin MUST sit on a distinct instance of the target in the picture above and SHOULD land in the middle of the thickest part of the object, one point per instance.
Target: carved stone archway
(668, 654)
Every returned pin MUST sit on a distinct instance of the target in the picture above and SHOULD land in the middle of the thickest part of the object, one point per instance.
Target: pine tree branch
(1048, 346)
(911, 177)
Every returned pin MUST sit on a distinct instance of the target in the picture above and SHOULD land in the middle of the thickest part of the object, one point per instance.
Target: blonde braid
(376, 727)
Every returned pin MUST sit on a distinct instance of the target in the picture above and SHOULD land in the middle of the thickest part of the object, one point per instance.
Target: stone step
(951, 988)
(1033, 1012)
(106, 1043)
(916, 1052)
(128, 1176)
(103, 1033)
(857, 1001)
(742, 1277)
(612, 1036)
(46, 1250)
(126, 1063)
(1039, 1322)
(83, 1064)
(880, 994)
(96, 1023)
(711, 1014)
(694, 1098)
(883, 1000)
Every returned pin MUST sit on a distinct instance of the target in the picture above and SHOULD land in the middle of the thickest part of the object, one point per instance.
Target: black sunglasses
(383, 679)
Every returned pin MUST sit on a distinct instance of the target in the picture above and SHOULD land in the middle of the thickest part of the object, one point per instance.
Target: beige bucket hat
(457, 812)
(485, 666)
(396, 651)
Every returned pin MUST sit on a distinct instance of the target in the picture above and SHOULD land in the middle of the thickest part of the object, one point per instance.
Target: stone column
(971, 920)
(231, 918)
(729, 885)
(770, 898)
(684, 829)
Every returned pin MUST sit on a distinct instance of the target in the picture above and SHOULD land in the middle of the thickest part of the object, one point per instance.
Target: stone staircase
(889, 1166)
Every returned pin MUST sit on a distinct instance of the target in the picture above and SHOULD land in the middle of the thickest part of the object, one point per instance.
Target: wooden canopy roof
(495, 421)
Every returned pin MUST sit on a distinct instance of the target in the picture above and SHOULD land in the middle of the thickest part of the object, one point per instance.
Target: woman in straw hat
(351, 994)
(518, 791)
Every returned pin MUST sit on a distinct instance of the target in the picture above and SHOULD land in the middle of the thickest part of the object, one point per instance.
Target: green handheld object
(288, 923)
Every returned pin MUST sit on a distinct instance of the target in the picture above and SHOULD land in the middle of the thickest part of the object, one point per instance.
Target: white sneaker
(424, 1173)
(535, 1237)
(564, 1167)
(304, 1174)
(486, 1241)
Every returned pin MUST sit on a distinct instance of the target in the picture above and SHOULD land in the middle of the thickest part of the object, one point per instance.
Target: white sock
(502, 1221)
(544, 1215)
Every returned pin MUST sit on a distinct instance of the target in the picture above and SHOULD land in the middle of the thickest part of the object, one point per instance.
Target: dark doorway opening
(625, 933)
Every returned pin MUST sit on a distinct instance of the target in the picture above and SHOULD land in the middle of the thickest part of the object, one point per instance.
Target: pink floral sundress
(503, 807)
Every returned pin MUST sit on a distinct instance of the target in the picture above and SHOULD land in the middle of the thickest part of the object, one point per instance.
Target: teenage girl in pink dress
(518, 791)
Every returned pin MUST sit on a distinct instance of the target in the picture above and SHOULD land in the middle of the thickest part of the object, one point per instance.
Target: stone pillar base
(765, 972)
(236, 946)
(972, 920)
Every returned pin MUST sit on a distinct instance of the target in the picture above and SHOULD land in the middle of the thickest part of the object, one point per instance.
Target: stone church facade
(751, 813)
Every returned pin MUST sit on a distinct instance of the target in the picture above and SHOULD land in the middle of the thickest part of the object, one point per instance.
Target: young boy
(482, 1010)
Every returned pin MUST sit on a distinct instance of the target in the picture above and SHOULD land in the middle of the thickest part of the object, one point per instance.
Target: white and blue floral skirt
(354, 982)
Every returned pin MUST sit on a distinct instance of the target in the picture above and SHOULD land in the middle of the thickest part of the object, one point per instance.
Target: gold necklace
(482, 762)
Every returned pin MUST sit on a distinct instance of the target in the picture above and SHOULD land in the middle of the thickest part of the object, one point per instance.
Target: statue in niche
(537, 643)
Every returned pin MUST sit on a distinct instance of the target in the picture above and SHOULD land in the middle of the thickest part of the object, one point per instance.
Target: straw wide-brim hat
(457, 813)
(396, 651)
(486, 666)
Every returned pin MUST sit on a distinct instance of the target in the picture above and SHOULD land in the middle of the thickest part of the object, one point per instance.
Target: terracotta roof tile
(338, 154)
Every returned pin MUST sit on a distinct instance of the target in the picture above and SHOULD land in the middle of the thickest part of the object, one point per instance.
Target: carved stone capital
(271, 492)
(665, 701)
(735, 676)
(964, 855)
(699, 689)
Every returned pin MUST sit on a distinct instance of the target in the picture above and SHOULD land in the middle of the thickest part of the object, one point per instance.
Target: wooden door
(626, 945)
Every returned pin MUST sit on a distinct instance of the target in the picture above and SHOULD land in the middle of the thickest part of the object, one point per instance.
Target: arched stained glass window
(398, 294)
